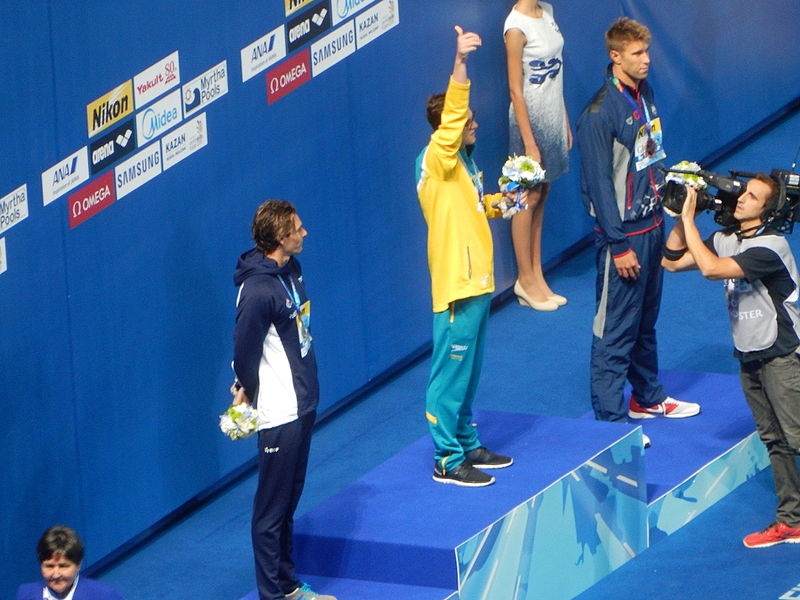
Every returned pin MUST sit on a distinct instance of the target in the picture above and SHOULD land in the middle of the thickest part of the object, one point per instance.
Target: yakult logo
(288, 76)
(157, 79)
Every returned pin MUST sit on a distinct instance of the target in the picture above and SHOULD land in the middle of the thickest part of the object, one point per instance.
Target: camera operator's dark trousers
(772, 389)
(624, 342)
(282, 462)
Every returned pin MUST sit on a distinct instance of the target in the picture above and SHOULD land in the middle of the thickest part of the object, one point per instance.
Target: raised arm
(466, 43)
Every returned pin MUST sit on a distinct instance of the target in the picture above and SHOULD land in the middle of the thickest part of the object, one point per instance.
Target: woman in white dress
(538, 127)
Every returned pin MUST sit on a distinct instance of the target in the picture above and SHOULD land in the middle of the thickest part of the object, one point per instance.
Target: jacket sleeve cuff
(619, 248)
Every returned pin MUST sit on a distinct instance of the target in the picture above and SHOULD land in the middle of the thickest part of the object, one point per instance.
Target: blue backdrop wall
(116, 315)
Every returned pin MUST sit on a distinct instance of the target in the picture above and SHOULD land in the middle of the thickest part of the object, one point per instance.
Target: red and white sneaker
(777, 533)
(670, 408)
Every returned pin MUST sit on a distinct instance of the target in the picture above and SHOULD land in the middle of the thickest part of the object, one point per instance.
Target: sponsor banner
(262, 53)
(292, 6)
(335, 46)
(65, 175)
(14, 208)
(112, 147)
(344, 9)
(156, 79)
(91, 199)
(137, 170)
(158, 118)
(205, 89)
(376, 21)
(288, 76)
(3, 259)
(185, 140)
(309, 25)
(109, 108)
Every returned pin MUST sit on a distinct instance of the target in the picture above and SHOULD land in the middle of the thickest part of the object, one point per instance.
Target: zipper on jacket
(469, 264)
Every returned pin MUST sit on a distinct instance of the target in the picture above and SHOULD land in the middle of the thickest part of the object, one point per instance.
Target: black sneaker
(484, 458)
(464, 474)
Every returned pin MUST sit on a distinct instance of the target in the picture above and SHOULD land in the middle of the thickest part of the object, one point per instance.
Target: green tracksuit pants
(458, 339)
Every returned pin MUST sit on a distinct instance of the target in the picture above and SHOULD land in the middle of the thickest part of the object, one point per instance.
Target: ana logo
(264, 52)
(109, 108)
(65, 175)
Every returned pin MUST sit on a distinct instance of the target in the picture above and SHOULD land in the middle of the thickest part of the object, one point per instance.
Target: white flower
(522, 170)
(239, 421)
(686, 178)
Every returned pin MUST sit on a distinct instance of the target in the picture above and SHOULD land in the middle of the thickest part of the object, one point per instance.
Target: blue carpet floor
(706, 558)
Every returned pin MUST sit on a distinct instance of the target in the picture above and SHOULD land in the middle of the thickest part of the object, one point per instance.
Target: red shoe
(777, 533)
(670, 408)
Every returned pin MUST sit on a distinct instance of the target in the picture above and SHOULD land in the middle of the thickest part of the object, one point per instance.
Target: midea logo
(345, 7)
(155, 121)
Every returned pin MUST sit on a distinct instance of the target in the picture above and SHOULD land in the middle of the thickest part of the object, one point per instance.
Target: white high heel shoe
(525, 300)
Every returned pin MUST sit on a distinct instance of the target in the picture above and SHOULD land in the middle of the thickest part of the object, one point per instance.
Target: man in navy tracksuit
(619, 134)
(276, 368)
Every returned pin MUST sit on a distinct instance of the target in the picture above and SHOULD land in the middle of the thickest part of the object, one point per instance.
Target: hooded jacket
(277, 375)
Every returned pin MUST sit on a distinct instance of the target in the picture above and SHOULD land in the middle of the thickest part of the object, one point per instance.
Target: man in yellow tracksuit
(460, 259)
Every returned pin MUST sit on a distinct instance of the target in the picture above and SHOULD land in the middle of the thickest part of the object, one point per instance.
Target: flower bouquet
(240, 421)
(684, 179)
(518, 173)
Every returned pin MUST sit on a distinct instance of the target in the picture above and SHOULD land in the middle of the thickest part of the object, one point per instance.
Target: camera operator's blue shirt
(623, 199)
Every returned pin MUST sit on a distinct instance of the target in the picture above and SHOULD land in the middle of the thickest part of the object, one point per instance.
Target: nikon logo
(292, 6)
(109, 108)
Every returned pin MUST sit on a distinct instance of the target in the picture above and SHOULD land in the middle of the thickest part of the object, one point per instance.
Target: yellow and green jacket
(450, 190)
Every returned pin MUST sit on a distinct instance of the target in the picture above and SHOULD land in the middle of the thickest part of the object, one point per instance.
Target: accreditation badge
(649, 148)
(303, 320)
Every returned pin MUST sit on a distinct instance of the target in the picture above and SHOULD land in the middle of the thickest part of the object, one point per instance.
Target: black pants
(772, 389)
(282, 462)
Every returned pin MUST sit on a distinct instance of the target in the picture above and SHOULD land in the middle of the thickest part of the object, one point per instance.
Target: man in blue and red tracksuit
(276, 372)
(619, 134)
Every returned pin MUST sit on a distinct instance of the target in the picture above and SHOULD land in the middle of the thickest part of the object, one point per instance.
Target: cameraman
(761, 286)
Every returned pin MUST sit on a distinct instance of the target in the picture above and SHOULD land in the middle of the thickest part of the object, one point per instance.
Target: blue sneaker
(304, 592)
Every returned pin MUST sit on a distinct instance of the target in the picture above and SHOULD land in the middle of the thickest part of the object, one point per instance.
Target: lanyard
(636, 113)
(474, 174)
(293, 295)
